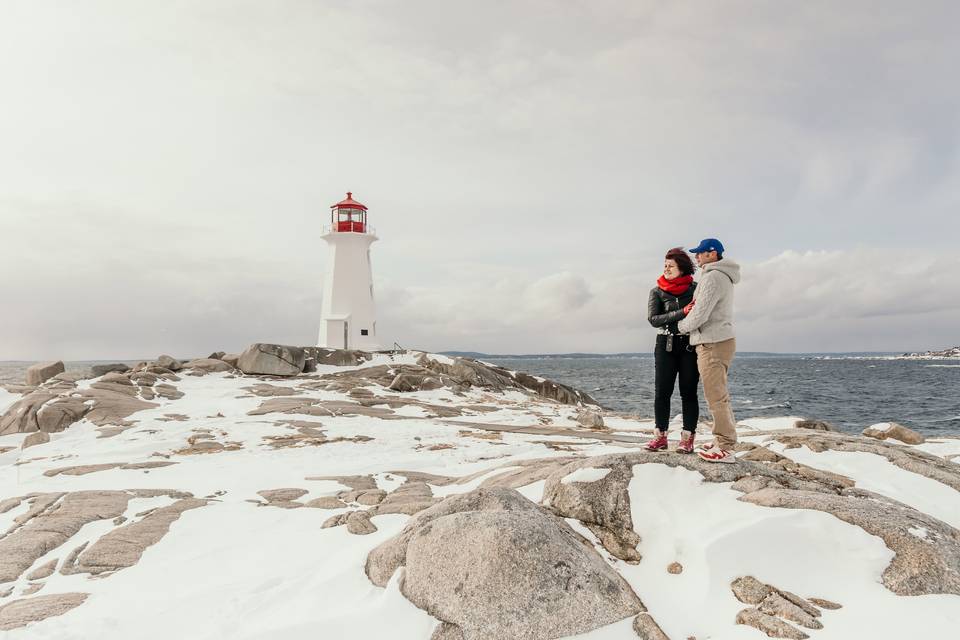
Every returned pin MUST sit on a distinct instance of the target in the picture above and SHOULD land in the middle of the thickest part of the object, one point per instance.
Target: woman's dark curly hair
(684, 263)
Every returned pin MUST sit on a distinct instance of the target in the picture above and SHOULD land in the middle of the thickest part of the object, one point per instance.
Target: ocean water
(849, 392)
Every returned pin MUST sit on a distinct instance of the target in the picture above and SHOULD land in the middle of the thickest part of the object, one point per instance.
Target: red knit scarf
(677, 286)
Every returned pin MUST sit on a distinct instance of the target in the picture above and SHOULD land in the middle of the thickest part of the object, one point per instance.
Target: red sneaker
(658, 444)
(716, 454)
(686, 443)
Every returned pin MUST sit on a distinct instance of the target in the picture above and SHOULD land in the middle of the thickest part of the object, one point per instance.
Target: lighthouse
(347, 319)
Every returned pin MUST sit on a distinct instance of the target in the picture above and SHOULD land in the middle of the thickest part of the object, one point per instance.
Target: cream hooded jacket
(711, 319)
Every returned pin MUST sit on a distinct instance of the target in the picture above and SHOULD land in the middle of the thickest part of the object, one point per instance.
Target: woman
(673, 357)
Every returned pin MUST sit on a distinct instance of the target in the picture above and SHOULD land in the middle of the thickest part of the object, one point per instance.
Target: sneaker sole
(728, 460)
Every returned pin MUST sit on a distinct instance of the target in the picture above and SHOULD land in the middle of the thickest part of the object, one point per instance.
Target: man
(709, 322)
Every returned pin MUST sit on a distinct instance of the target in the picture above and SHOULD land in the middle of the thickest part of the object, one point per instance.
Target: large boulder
(21, 416)
(491, 564)
(168, 362)
(101, 369)
(42, 371)
(885, 430)
(272, 359)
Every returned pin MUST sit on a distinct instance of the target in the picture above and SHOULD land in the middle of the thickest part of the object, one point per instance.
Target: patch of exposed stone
(43, 571)
(123, 546)
(53, 518)
(201, 447)
(81, 470)
(539, 578)
(265, 390)
(774, 610)
(283, 498)
(321, 408)
(20, 613)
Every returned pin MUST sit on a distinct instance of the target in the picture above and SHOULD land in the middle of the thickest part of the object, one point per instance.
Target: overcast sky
(165, 169)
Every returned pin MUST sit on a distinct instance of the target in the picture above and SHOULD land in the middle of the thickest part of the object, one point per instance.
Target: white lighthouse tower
(347, 320)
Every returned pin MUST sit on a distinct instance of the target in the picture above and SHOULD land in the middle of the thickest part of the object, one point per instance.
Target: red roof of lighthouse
(349, 202)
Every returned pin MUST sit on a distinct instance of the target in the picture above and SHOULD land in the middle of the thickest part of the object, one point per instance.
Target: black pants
(679, 362)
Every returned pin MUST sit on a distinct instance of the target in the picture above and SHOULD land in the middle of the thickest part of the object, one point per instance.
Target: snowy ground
(241, 570)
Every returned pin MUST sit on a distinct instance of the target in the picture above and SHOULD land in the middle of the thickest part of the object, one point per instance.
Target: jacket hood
(728, 267)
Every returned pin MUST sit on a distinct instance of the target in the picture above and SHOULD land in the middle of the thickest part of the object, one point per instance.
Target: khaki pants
(713, 361)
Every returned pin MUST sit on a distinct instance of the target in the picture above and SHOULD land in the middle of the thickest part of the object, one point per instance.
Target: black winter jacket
(665, 310)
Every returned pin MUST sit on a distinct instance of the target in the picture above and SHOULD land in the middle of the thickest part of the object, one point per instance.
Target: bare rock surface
(647, 628)
(32, 440)
(538, 578)
(589, 418)
(272, 359)
(43, 571)
(42, 371)
(281, 495)
(100, 369)
(168, 362)
(772, 626)
(20, 613)
(207, 365)
(123, 546)
(52, 523)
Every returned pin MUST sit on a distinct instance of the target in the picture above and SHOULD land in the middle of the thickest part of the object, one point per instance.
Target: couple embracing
(695, 341)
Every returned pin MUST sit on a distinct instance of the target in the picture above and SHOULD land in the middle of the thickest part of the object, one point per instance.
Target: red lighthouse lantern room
(348, 215)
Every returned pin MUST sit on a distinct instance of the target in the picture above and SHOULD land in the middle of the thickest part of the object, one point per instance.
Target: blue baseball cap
(708, 244)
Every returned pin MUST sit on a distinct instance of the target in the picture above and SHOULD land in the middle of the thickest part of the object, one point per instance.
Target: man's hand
(687, 309)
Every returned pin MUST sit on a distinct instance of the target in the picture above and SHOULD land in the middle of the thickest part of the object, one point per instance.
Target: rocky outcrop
(168, 362)
(589, 418)
(774, 610)
(336, 357)
(98, 370)
(32, 440)
(537, 578)
(123, 546)
(272, 359)
(20, 613)
(207, 365)
(58, 403)
(42, 371)
(885, 430)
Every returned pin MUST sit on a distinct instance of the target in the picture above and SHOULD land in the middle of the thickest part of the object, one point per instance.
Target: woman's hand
(687, 309)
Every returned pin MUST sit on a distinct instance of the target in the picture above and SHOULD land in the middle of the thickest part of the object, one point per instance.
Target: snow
(718, 538)
(235, 569)
(585, 474)
(769, 424)
(919, 532)
(944, 447)
(7, 399)
(881, 427)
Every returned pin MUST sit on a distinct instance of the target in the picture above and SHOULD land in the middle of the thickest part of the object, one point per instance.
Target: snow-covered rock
(884, 430)
(227, 505)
